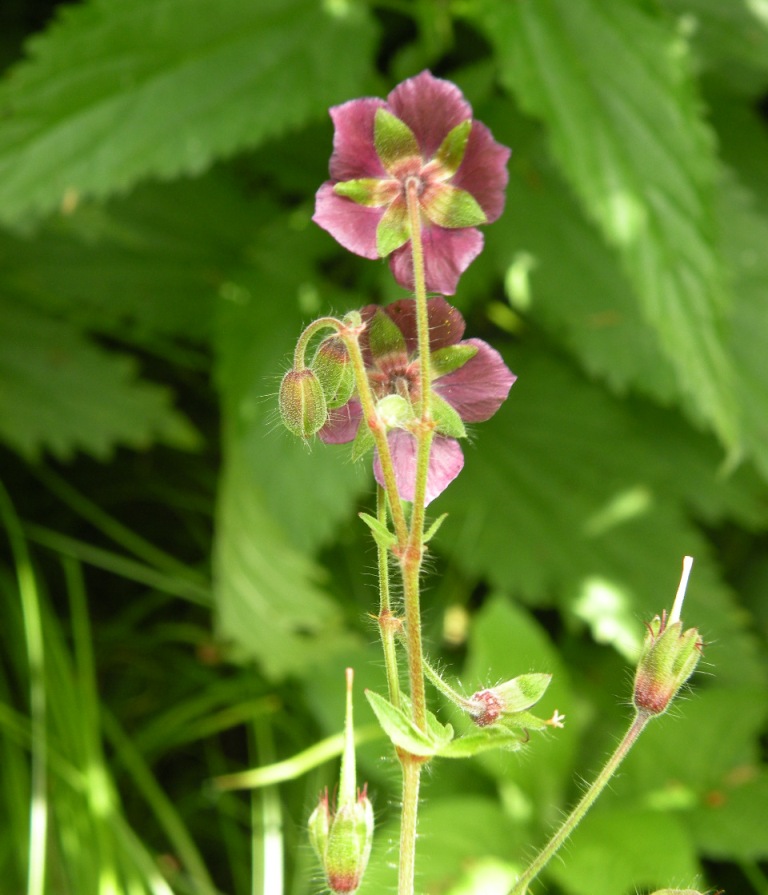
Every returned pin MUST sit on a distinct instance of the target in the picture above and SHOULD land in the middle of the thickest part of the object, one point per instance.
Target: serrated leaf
(601, 519)
(60, 392)
(113, 92)
(632, 142)
(400, 729)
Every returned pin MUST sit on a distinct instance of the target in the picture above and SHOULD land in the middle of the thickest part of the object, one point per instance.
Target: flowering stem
(411, 557)
(587, 800)
(306, 337)
(388, 624)
(379, 435)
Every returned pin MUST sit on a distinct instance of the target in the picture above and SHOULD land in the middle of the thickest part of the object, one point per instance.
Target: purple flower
(470, 381)
(422, 136)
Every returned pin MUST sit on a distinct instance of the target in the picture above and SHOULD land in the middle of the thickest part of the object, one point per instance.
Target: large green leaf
(614, 88)
(276, 497)
(572, 493)
(62, 393)
(623, 850)
(114, 92)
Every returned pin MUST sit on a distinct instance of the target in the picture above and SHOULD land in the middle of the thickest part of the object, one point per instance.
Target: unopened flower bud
(668, 658)
(303, 408)
(508, 699)
(333, 368)
(342, 836)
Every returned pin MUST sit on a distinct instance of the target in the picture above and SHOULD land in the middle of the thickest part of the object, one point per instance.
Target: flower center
(394, 374)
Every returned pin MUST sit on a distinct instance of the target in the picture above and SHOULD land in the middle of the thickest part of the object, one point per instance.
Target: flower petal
(342, 423)
(445, 463)
(446, 325)
(480, 387)
(447, 254)
(353, 225)
(431, 107)
(483, 171)
(354, 155)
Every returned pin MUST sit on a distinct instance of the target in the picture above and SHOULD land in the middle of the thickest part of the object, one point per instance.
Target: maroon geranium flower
(423, 135)
(470, 381)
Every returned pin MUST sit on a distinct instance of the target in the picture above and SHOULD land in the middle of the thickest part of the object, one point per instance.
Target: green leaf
(623, 474)
(633, 848)
(113, 92)
(631, 141)
(393, 139)
(60, 392)
(482, 740)
(381, 534)
(402, 731)
(434, 528)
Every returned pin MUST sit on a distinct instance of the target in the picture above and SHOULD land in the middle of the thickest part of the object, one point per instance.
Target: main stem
(586, 802)
(411, 558)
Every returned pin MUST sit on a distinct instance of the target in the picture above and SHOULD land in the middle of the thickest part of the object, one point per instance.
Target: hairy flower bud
(342, 835)
(333, 368)
(303, 408)
(668, 657)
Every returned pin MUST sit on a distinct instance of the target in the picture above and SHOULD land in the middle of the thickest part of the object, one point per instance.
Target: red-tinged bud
(668, 658)
(670, 655)
(302, 403)
(508, 699)
(333, 368)
(342, 836)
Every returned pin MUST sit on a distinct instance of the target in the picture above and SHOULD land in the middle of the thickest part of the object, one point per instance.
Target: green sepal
(393, 139)
(520, 720)
(447, 419)
(381, 534)
(384, 336)
(522, 691)
(393, 229)
(453, 208)
(452, 357)
(394, 411)
(482, 740)
(450, 155)
(404, 733)
(369, 191)
(363, 442)
(434, 527)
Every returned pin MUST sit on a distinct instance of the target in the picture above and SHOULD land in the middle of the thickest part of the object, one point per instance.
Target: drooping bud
(303, 408)
(509, 699)
(333, 368)
(668, 658)
(342, 836)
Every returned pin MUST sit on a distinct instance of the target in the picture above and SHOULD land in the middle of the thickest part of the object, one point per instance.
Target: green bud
(342, 836)
(668, 657)
(333, 368)
(302, 403)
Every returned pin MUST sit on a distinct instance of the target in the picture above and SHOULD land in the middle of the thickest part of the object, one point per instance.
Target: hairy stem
(586, 802)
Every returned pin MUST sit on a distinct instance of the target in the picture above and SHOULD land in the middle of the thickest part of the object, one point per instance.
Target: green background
(182, 584)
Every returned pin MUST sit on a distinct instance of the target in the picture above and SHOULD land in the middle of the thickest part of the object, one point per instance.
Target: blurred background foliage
(182, 584)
